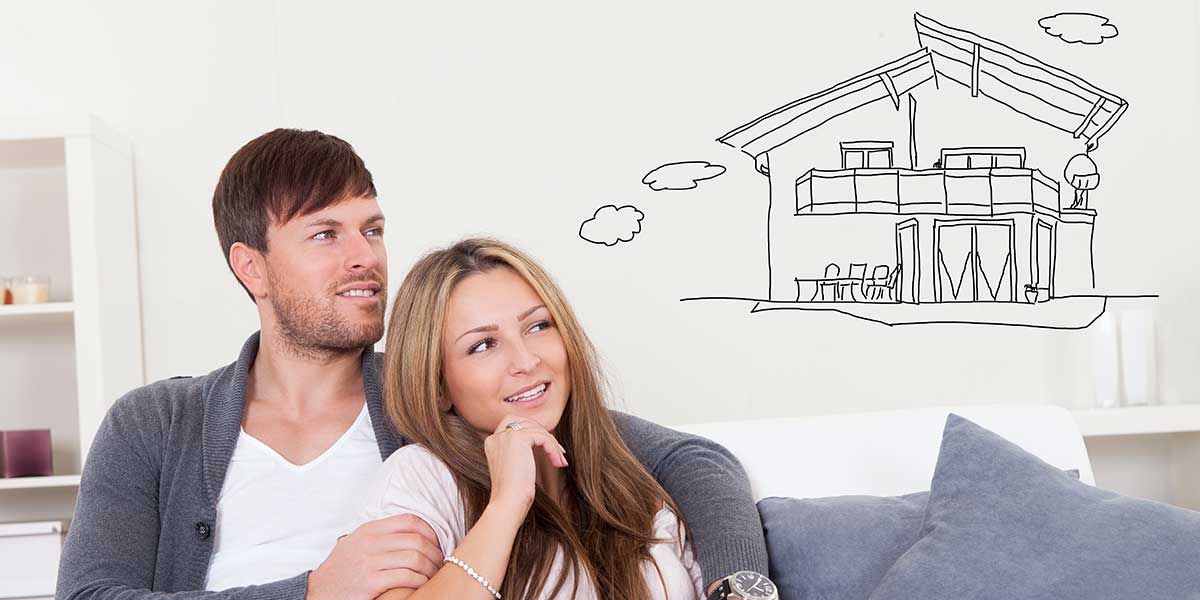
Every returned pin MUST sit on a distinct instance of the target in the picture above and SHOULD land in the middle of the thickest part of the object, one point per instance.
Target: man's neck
(302, 382)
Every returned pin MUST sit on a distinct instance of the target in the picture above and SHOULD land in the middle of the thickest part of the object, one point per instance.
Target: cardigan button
(203, 530)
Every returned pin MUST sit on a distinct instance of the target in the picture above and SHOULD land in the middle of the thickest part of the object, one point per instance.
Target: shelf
(46, 308)
(29, 483)
(1138, 420)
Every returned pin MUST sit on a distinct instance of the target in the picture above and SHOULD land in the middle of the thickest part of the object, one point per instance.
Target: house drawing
(868, 218)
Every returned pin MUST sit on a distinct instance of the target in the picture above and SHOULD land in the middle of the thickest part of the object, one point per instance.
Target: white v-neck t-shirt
(275, 519)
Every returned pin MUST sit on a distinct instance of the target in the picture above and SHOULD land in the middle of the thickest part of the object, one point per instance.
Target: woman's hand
(510, 456)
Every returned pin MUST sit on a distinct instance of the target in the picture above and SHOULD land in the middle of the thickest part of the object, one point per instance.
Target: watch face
(753, 586)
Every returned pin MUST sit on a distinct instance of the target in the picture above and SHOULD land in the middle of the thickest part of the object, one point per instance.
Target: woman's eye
(540, 326)
(324, 235)
(481, 345)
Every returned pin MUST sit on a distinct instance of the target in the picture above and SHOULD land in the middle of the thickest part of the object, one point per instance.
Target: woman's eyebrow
(525, 315)
(494, 327)
(480, 329)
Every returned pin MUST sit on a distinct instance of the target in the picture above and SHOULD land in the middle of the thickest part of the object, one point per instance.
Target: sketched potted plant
(1031, 293)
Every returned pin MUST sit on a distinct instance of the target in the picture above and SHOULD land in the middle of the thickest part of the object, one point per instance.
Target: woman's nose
(524, 359)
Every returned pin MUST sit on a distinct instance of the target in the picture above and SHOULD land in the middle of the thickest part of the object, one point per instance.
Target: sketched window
(866, 155)
(955, 161)
(879, 159)
(853, 159)
(1007, 160)
(982, 158)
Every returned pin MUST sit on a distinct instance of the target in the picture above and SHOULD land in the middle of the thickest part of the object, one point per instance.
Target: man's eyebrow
(376, 218)
(324, 223)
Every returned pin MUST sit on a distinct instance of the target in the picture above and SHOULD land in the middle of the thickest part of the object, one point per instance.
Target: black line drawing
(611, 225)
(681, 175)
(981, 236)
(1079, 28)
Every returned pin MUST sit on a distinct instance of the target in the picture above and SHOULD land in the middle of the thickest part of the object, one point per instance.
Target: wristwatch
(746, 585)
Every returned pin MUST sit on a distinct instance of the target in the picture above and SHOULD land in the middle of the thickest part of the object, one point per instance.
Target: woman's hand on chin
(511, 460)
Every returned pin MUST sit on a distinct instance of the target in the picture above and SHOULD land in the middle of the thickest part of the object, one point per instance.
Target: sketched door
(908, 261)
(1043, 255)
(974, 261)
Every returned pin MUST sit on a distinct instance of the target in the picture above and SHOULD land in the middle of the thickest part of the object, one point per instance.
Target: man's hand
(396, 552)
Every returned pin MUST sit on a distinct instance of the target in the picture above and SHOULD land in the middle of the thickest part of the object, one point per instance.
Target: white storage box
(29, 554)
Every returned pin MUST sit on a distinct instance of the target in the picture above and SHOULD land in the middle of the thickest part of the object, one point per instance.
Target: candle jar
(30, 289)
(5, 290)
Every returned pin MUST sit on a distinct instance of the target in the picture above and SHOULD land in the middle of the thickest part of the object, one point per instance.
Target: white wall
(518, 119)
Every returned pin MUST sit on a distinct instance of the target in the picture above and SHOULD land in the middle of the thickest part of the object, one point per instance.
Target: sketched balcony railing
(981, 191)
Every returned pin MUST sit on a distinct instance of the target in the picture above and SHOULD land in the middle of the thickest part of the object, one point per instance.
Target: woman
(515, 461)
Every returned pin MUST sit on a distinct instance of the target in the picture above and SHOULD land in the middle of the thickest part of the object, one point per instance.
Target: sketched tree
(1082, 174)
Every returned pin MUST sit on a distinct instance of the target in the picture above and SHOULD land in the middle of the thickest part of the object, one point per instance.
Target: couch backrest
(881, 453)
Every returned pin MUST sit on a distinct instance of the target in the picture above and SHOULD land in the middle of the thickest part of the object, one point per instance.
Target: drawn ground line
(1105, 296)
(1103, 309)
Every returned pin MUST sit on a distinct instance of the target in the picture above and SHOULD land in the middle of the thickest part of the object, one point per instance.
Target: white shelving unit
(67, 209)
(17, 311)
(1145, 451)
(29, 483)
(1138, 420)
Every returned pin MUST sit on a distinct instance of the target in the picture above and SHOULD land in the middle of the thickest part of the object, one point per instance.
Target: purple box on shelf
(25, 453)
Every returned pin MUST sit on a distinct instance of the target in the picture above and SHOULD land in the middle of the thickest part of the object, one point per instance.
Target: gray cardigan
(147, 500)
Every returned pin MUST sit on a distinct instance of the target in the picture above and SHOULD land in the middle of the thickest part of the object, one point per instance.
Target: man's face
(327, 277)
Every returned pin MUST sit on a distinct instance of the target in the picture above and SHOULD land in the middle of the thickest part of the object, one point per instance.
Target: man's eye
(376, 232)
(481, 345)
(324, 235)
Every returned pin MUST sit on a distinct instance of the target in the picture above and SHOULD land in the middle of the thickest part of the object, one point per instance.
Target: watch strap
(721, 592)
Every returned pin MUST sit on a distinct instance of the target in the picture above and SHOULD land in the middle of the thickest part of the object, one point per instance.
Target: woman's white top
(414, 481)
(276, 519)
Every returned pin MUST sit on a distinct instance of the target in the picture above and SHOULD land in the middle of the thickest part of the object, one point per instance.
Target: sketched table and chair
(857, 286)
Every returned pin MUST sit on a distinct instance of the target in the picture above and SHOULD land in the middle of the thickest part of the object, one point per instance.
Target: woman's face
(502, 353)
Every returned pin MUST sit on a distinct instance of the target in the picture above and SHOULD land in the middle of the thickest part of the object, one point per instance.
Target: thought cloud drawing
(610, 225)
(1079, 28)
(681, 175)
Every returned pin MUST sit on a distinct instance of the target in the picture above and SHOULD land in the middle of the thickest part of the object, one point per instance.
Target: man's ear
(250, 267)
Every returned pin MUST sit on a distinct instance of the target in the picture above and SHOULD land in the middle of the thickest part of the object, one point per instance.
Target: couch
(885, 453)
(980, 502)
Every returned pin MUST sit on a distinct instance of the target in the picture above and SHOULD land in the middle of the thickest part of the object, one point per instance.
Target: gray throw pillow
(840, 547)
(837, 548)
(1000, 523)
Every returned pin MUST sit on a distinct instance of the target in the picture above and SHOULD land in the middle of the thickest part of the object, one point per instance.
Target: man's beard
(313, 327)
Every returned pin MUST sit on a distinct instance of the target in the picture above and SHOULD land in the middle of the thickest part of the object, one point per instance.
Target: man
(235, 484)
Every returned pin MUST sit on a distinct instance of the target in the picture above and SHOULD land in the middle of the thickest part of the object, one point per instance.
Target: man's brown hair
(281, 175)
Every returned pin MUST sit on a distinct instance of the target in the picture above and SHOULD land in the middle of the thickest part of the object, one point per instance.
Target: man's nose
(360, 253)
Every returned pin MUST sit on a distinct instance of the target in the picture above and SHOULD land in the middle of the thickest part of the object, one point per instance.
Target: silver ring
(513, 426)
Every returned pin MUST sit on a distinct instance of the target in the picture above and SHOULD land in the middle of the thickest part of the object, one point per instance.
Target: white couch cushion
(881, 453)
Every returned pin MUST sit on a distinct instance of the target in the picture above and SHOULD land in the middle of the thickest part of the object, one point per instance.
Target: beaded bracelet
(476, 576)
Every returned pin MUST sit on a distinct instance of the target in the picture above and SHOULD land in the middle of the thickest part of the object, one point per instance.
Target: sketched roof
(1025, 84)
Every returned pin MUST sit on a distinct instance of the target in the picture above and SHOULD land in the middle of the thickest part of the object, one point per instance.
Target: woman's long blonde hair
(605, 527)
